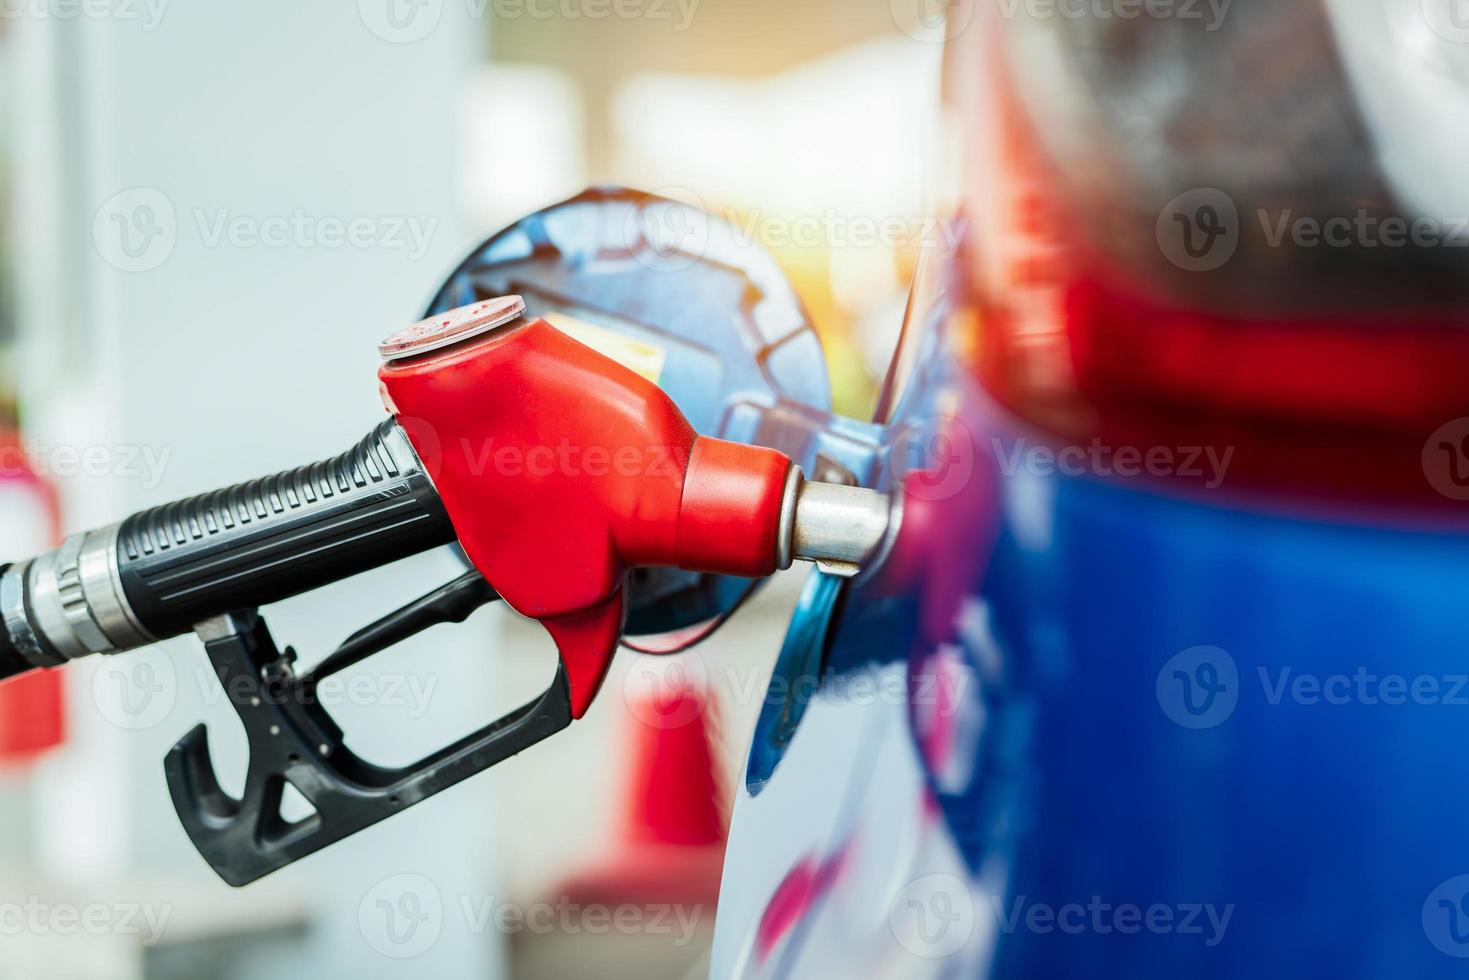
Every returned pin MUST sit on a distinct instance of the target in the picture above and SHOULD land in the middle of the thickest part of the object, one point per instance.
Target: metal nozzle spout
(838, 527)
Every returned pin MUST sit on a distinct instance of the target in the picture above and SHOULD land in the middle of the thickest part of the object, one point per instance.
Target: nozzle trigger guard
(293, 739)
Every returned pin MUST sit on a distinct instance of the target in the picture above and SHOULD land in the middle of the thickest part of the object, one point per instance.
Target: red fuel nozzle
(561, 469)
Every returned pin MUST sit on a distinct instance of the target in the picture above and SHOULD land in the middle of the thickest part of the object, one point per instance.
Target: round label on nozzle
(452, 327)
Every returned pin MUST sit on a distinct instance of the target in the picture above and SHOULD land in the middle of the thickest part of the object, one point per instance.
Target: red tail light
(1323, 372)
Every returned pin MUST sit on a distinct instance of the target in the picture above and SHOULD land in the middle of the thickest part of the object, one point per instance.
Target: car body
(1165, 675)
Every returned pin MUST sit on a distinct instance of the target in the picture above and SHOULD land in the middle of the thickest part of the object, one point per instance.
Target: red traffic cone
(669, 842)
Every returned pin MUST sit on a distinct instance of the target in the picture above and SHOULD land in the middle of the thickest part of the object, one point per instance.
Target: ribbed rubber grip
(272, 538)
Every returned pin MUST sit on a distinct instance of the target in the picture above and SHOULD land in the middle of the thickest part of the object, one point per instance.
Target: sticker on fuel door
(635, 355)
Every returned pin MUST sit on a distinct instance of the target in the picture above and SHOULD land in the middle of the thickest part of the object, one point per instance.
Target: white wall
(197, 360)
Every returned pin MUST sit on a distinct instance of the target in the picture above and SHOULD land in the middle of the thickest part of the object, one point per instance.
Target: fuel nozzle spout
(842, 529)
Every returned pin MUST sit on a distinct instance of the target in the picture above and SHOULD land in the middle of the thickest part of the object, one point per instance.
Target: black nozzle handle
(269, 539)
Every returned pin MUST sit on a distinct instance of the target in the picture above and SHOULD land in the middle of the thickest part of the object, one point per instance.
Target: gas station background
(809, 125)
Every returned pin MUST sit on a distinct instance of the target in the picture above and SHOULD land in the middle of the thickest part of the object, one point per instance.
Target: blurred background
(211, 213)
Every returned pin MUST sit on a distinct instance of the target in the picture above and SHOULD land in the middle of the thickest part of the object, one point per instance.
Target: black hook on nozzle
(293, 740)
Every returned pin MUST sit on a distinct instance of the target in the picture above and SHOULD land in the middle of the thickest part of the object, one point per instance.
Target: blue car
(1164, 674)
